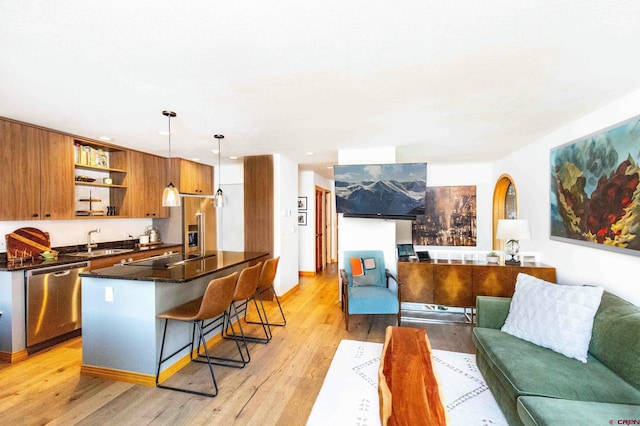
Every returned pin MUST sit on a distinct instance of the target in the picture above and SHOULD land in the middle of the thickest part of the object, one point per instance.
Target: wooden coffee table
(407, 385)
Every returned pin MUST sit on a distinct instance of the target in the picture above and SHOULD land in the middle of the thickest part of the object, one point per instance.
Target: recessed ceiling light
(195, 159)
(329, 167)
(233, 157)
(309, 153)
(163, 133)
(105, 138)
(215, 151)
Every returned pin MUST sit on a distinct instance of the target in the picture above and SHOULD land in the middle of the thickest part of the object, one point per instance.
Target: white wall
(306, 234)
(529, 167)
(230, 218)
(285, 233)
(307, 182)
(478, 174)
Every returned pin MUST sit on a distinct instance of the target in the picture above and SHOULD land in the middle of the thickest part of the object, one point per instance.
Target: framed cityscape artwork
(595, 189)
(450, 217)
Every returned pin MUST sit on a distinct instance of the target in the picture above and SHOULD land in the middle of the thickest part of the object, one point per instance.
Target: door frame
(322, 225)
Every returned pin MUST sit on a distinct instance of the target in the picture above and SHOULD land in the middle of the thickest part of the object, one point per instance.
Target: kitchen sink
(100, 252)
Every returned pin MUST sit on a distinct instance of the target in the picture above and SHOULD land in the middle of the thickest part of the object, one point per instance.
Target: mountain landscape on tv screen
(383, 197)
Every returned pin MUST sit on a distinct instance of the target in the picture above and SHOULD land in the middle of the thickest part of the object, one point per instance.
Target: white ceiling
(444, 81)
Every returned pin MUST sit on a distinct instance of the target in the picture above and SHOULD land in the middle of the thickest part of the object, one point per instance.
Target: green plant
(492, 254)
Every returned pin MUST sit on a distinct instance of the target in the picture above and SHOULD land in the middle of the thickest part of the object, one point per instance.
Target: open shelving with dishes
(100, 171)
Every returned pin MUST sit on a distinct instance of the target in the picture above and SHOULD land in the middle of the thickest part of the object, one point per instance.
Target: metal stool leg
(265, 326)
(190, 344)
(271, 324)
(221, 361)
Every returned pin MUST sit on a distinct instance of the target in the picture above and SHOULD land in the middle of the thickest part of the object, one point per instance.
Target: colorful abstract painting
(450, 217)
(595, 189)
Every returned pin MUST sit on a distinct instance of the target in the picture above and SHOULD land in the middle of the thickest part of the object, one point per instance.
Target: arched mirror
(505, 205)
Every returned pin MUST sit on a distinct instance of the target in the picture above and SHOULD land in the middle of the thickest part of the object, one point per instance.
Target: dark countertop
(63, 259)
(146, 271)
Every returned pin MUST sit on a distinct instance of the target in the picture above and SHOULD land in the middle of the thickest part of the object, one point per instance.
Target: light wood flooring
(278, 387)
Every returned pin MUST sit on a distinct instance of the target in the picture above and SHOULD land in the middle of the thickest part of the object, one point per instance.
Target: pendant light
(170, 195)
(218, 199)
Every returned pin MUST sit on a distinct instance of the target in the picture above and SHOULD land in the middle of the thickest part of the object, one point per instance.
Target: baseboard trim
(306, 273)
(118, 375)
(14, 357)
(290, 292)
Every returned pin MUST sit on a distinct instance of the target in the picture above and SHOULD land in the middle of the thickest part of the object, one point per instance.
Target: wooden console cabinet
(456, 283)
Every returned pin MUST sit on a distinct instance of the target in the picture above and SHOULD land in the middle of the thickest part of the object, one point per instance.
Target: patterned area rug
(349, 394)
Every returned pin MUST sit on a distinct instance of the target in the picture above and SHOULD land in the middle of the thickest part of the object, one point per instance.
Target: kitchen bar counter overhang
(121, 334)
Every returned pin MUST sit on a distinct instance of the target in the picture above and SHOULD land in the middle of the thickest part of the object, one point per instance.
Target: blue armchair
(368, 291)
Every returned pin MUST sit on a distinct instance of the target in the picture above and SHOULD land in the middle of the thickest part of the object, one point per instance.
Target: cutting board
(27, 242)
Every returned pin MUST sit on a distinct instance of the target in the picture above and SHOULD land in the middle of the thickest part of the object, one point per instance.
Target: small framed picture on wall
(302, 203)
(302, 218)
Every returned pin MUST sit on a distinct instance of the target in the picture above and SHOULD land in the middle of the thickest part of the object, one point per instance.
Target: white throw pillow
(558, 317)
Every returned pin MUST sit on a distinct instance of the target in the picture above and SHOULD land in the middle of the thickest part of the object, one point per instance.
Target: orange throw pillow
(356, 266)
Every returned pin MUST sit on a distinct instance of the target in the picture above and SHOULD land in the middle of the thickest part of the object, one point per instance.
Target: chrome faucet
(89, 244)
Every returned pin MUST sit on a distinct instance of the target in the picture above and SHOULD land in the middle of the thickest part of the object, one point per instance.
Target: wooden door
(205, 179)
(493, 280)
(154, 183)
(258, 203)
(453, 285)
(57, 187)
(20, 172)
(133, 205)
(417, 282)
(319, 230)
(146, 179)
(187, 179)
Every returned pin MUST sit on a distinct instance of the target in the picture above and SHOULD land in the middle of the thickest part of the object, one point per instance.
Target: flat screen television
(385, 191)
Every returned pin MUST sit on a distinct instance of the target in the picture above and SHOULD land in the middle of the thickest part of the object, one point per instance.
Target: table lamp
(513, 230)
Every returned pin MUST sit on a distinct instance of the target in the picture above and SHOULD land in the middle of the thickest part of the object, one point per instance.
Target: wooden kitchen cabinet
(191, 177)
(458, 283)
(146, 179)
(37, 173)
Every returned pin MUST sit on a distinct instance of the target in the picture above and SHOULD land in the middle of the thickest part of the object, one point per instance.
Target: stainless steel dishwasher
(53, 304)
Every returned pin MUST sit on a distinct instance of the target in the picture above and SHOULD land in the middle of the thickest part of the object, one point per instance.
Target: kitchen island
(121, 334)
(13, 286)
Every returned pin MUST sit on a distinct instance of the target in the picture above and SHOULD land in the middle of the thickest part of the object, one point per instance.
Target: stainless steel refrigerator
(193, 223)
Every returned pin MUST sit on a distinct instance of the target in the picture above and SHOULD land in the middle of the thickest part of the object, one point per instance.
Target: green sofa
(536, 386)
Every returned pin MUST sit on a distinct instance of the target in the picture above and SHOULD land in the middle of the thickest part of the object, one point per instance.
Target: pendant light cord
(219, 166)
(170, 160)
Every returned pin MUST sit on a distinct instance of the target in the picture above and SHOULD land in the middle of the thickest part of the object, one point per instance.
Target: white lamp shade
(170, 196)
(513, 229)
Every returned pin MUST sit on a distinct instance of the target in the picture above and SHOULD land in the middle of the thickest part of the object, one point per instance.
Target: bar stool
(245, 289)
(213, 304)
(267, 276)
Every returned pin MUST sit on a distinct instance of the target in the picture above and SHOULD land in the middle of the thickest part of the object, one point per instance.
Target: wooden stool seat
(186, 312)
